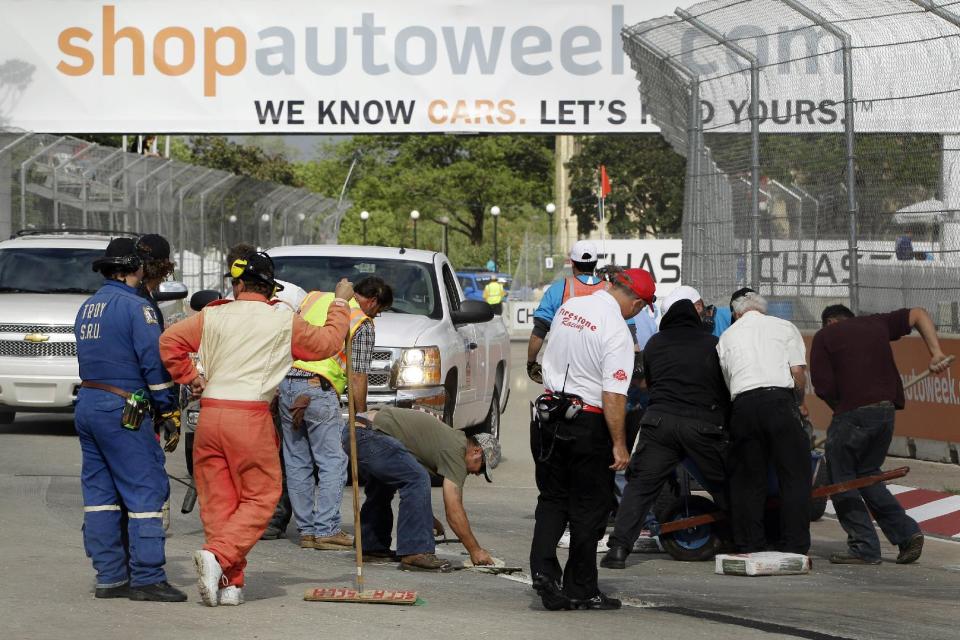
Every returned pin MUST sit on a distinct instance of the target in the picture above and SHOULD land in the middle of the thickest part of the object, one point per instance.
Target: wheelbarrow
(677, 502)
(692, 528)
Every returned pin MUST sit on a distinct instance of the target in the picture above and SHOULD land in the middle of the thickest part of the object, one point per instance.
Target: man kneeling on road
(395, 449)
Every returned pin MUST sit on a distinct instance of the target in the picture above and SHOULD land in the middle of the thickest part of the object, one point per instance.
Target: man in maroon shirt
(853, 371)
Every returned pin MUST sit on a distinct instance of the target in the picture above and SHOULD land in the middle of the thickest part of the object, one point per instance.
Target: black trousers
(766, 430)
(665, 441)
(576, 488)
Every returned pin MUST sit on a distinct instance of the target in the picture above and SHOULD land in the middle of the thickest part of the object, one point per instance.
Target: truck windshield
(415, 289)
(48, 270)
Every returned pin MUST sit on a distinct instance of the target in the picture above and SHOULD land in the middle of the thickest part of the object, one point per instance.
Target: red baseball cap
(640, 282)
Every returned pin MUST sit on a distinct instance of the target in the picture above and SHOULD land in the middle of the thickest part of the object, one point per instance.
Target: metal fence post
(23, 178)
(850, 131)
(136, 186)
(722, 40)
(203, 222)
(109, 182)
(186, 188)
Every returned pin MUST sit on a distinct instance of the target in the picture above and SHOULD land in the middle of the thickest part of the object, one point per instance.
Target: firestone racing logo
(620, 375)
(569, 319)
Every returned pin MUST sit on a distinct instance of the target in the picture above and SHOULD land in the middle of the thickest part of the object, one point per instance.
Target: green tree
(646, 180)
(460, 177)
(217, 152)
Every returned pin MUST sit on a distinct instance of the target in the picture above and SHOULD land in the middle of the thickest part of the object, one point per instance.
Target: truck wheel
(492, 424)
(696, 543)
(6, 417)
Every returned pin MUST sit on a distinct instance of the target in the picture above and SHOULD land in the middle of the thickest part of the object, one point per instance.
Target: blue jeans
(389, 468)
(857, 444)
(316, 503)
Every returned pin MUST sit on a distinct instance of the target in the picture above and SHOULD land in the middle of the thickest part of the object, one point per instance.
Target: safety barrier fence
(821, 145)
(61, 182)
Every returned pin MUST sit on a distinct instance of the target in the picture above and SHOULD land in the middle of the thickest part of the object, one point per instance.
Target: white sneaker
(230, 596)
(602, 543)
(209, 574)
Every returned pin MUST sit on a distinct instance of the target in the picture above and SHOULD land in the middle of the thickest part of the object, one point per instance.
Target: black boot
(123, 591)
(551, 594)
(274, 531)
(159, 592)
(615, 558)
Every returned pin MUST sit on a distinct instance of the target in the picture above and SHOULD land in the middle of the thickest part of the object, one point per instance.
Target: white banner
(822, 268)
(296, 66)
(661, 258)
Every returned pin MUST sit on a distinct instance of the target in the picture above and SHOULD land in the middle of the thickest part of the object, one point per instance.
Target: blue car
(473, 283)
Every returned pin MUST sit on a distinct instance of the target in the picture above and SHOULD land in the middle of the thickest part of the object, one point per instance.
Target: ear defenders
(242, 267)
(131, 262)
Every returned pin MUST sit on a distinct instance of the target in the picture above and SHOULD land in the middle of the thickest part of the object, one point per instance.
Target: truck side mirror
(170, 291)
(471, 312)
(202, 298)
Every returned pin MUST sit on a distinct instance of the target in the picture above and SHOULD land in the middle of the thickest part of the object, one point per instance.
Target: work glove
(170, 426)
(535, 372)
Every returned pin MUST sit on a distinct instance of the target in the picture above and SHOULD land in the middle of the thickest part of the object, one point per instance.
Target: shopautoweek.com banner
(298, 66)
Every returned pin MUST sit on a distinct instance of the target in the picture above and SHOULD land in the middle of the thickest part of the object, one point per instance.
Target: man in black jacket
(685, 418)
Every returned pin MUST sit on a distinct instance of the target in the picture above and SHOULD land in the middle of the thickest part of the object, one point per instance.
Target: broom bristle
(369, 596)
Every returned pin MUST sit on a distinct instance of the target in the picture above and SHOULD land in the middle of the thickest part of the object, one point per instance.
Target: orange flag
(604, 182)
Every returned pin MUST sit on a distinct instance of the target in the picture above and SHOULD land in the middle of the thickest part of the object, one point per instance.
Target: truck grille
(21, 349)
(378, 380)
(379, 377)
(36, 328)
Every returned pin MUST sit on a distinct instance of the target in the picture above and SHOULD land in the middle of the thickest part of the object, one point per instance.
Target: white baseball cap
(683, 292)
(584, 251)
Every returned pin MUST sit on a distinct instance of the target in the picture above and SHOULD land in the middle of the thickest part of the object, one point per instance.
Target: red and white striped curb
(936, 512)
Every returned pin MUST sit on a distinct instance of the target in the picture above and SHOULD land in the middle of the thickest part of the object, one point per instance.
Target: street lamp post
(264, 218)
(551, 208)
(364, 216)
(300, 218)
(415, 215)
(495, 212)
(445, 221)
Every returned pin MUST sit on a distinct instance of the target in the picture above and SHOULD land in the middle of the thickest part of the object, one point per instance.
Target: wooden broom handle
(351, 421)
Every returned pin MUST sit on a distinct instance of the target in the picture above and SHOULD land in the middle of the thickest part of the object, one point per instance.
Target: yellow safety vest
(495, 294)
(314, 309)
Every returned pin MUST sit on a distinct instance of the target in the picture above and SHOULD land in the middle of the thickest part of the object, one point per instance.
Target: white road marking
(935, 509)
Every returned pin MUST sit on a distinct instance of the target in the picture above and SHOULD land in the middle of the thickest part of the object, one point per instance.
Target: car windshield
(414, 288)
(49, 270)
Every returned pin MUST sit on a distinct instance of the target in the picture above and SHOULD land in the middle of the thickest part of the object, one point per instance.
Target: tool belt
(109, 388)
(313, 379)
(135, 409)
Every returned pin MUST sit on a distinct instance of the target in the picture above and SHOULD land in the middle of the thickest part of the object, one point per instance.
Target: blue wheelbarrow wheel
(696, 543)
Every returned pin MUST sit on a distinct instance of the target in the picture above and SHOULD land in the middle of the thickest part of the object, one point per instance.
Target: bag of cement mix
(765, 563)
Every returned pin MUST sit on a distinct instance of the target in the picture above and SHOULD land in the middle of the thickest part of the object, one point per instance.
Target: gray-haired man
(764, 363)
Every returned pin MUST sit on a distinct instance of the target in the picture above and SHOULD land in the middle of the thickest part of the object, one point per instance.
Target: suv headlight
(418, 367)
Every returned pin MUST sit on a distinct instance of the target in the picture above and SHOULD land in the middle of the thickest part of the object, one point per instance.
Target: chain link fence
(821, 146)
(59, 182)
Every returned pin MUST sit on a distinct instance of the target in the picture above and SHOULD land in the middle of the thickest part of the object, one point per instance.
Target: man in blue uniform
(118, 335)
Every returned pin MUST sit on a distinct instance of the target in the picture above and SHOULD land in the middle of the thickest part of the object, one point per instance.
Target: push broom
(359, 594)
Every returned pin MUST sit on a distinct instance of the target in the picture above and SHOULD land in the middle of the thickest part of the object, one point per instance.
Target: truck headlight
(418, 367)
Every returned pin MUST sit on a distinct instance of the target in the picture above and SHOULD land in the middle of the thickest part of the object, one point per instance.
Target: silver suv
(44, 278)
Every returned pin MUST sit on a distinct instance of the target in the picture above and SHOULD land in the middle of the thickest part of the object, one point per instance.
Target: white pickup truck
(434, 349)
